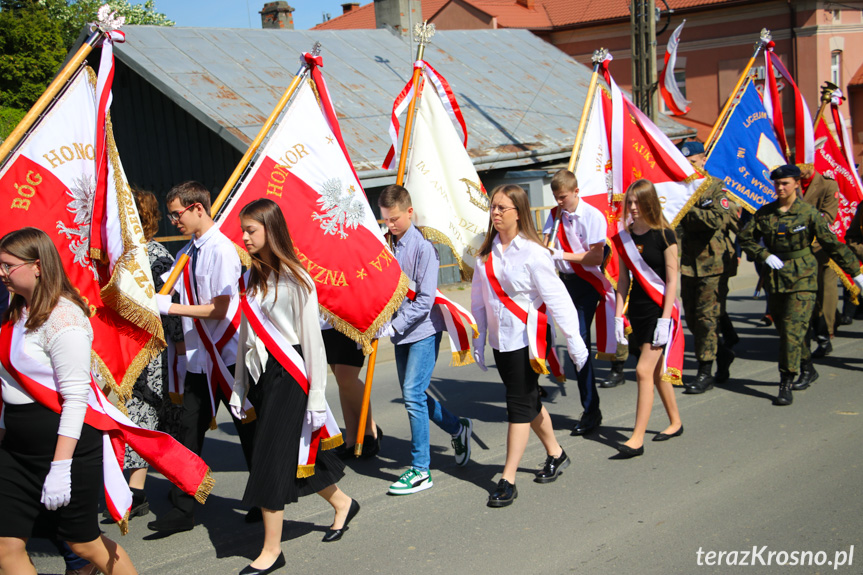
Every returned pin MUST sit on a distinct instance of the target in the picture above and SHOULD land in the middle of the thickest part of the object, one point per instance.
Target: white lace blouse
(64, 342)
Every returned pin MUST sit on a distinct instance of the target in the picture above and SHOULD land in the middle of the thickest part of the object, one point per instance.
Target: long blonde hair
(32, 245)
(649, 207)
(269, 214)
(525, 222)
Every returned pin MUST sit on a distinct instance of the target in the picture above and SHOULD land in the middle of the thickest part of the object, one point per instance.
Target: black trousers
(195, 422)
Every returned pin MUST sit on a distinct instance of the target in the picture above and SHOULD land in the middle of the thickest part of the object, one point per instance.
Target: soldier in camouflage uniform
(787, 228)
(707, 260)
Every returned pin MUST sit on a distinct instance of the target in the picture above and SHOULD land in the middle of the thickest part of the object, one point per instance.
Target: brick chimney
(398, 15)
(349, 7)
(277, 15)
(529, 4)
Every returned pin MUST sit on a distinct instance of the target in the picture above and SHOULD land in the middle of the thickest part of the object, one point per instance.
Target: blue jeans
(585, 298)
(415, 363)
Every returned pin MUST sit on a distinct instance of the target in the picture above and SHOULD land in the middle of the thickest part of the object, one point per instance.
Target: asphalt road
(744, 474)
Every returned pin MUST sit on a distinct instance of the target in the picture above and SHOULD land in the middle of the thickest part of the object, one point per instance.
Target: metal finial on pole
(599, 56)
(422, 35)
(764, 39)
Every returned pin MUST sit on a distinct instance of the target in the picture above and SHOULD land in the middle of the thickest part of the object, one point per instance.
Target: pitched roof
(229, 80)
(510, 14)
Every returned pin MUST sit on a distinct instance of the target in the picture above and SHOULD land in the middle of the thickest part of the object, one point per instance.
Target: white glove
(557, 254)
(385, 331)
(580, 358)
(662, 333)
(858, 281)
(181, 367)
(317, 419)
(236, 405)
(479, 357)
(57, 489)
(774, 262)
(163, 302)
(619, 330)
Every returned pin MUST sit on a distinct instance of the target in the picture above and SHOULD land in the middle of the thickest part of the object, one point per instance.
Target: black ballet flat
(667, 436)
(336, 534)
(628, 451)
(278, 564)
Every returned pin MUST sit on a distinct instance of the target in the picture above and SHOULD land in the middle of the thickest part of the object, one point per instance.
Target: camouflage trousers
(791, 314)
(702, 306)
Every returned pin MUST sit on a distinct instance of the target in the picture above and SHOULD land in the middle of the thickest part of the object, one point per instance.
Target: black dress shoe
(372, 445)
(615, 377)
(554, 466)
(628, 451)
(174, 521)
(824, 348)
(336, 534)
(278, 564)
(667, 436)
(587, 423)
(504, 495)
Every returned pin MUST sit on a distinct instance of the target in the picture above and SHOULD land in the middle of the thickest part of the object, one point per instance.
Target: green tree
(73, 16)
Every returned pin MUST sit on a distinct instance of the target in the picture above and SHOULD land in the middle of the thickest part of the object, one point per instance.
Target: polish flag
(676, 102)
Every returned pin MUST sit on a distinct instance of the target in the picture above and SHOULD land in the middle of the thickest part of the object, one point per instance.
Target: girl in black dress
(651, 323)
(285, 294)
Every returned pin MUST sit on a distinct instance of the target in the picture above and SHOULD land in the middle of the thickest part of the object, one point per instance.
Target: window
(836, 67)
(837, 16)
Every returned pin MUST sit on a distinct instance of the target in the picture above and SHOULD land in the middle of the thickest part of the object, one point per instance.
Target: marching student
(415, 331)
(284, 372)
(648, 250)
(51, 467)
(514, 280)
(578, 253)
(206, 287)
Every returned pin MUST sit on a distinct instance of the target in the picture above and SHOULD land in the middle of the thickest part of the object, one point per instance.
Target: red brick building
(818, 40)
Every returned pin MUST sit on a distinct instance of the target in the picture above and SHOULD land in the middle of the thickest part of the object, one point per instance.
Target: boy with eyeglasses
(207, 287)
(415, 330)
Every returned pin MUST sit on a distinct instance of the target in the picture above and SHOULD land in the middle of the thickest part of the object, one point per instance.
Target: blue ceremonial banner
(746, 151)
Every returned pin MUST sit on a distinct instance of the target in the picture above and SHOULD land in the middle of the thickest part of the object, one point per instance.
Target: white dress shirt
(217, 273)
(294, 312)
(586, 226)
(526, 272)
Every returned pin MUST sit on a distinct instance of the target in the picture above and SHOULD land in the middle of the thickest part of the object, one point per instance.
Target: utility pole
(643, 23)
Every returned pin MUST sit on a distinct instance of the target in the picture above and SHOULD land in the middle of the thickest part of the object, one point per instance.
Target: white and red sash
(457, 320)
(606, 344)
(653, 285)
(534, 316)
(328, 436)
(182, 467)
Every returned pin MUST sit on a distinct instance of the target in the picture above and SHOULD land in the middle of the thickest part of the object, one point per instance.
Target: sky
(243, 13)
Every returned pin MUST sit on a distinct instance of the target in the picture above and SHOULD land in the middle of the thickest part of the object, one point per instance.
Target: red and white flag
(449, 200)
(305, 168)
(833, 163)
(50, 183)
(639, 149)
(676, 102)
(804, 136)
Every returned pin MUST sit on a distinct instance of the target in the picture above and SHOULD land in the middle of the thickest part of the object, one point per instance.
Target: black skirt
(280, 405)
(25, 458)
(342, 350)
(522, 384)
(642, 318)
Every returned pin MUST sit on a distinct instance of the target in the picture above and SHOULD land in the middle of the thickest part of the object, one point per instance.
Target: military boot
(729, 334)
(785, 382)
(724, 358)
(824, 346)
(808, 375)
(615, 376)
(703, 380)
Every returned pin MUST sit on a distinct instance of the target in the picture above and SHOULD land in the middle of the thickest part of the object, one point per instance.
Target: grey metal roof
(521, 97)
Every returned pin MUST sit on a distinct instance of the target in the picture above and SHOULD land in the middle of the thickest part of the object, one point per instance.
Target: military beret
(692, 149)
(786, 171)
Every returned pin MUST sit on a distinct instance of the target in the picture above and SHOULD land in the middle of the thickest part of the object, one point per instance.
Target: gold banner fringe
(332, 442)
(461, 357)
(605, 356)
(304, 471)
(176, 398)
(853, 290)
(244, 256)
(123, 524)
(475, 330)
(539, 366)
(206, 486)
(709, 181)
(435, 235)
(560, 379)
(365, 338)
(673, 376)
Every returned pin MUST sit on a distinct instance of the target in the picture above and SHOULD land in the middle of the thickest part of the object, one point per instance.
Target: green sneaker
(411, 481)
(461, 442)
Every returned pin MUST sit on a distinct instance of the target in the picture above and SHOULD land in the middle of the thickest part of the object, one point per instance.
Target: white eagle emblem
(82, 192)
(341, 208)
